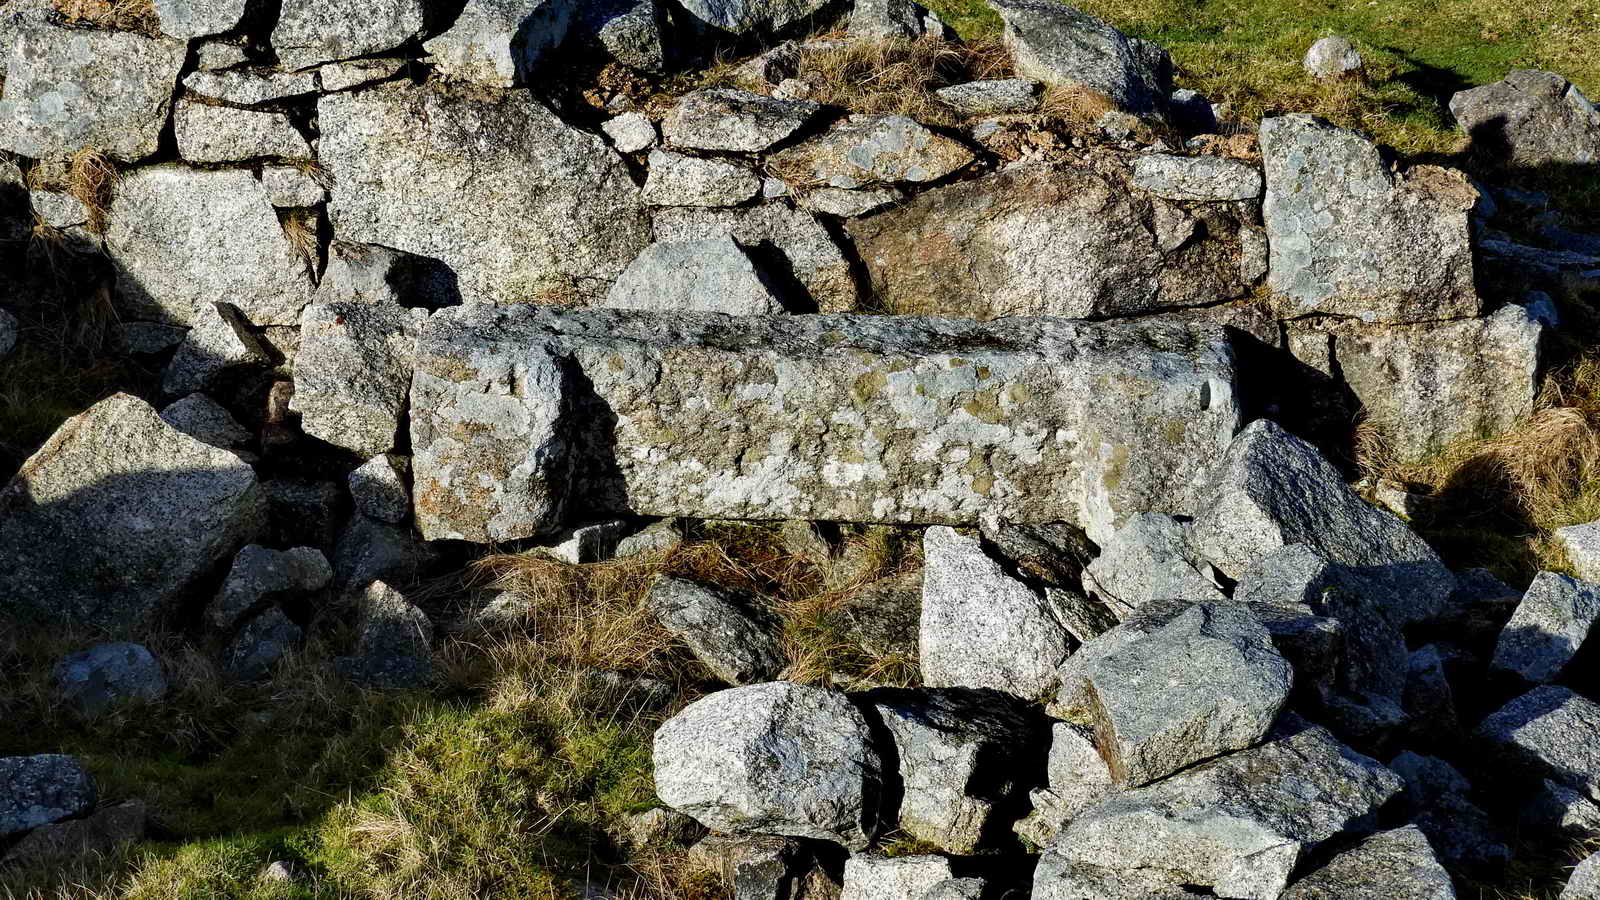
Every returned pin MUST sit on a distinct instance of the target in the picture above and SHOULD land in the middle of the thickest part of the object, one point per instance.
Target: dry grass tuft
(898, 76)
(124, 15)
(303, 229)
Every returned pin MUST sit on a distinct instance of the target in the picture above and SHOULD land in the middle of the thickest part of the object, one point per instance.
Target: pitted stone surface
(175, 261)
(70, 88)
(1073, 239)
(842, 418)
(1350, 237)
(316, 31)
(551, 213)
(499, 42)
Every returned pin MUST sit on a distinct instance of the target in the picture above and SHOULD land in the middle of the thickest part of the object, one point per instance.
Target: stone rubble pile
(407, 298)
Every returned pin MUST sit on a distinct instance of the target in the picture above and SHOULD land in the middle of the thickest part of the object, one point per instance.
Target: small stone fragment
(353, 373)
(222, 134)
(1332, 57)
(260, 645)
(631, 132)
(728, 119)
(872, 151)
(203, 419)
(1197, 178)
(109, 675)
(678, 180)
(395, 646)
(379, 489)
(260, 577)
(1548, 628)
(712, 275)
(993, 98)
(893, 878)
(733, 638)
(1389, 865)
(499, 43)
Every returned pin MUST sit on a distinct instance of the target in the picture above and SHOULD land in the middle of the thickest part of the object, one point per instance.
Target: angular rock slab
(1349, 237)
(1531, 118)
(678, 180)
(867, 151)
(260, 576)
(1548, 733)
(893, 878)
(776, 758)
(1200, 178)
(1582, 546)
(1061, 45)
(38, 790)
(965, 759)
(1177, 684)
(188, 19)
(317, 31)
(712, 275)
(734, 641)
(499, 42)
(110, 674)
(220, 134)
(1145, 560)
(1584, 884)
(743, 16)
(816, 418)
(980, 627)
(395, 644)
(786, 240)
(116, 516)
(174, 261)
(71, 88)
(1433, 384)
(1549, 626)
(1272, 489)
(733, 120)
(1239, 824)
(1389, 865)
(521, 205)
(1074, 239)
(353, 371)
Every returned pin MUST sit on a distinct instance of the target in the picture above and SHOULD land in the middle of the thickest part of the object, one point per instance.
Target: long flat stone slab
(522, 417)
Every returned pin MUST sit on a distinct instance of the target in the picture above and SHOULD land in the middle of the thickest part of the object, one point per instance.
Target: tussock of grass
(302, 228)
(91, 180)
(124, 15)
(897, 76)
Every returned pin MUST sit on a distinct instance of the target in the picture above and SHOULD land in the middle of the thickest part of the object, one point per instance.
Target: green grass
(1418, 52)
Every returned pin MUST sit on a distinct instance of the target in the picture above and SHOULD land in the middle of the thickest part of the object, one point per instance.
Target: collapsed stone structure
(376, 247)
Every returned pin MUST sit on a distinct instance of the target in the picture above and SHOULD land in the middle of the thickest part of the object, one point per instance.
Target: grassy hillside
(1419, 52)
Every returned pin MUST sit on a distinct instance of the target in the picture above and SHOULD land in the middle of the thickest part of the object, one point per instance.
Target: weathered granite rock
(835, 418)
(744, 16)
(394, 648)
(893, 878)
(1350, 237)
(70, 88)
(763, 866)
(260, 645)
(732, 636)
(980, 627)
(1077, 777)
(383, 276)
(678, 180)
(353, 373)
(203, 419)
(883, 618)
(631, 132)
(247, 87)
(1389, 865)
(216, 54)
(261, 577)
(993, 97)
(888, 19)
(1202, 178)
(784, 240)
(173, 261)
(220, 341)
(731, 119)
(1584, 883)
(1061, 45)
(116, 516)
(219, 134)
(775, 758)
(663, 827)
(318, 31)
(1043, 239)
(1428, 700)
(358, 73)
(189, 19)
(109, 675)
(378, 487)
(1051, 553)
(1437, 800)
(368, 550)
(499, 43)
(1272, 489)
(1058, 878)
(1332, 57)
(38, 790)
(1529, 119)
(847, 204)
(711, 275)
(1553, 806)
(1239, 824)
(628, 31)
(590, 543)
(1545, 733)
(1147, 559)
(551, 213)
(1369, 651)
(1177, 684)
(1582, 546)
(958, 889)
(867, 151)
(65, 843)
(965, 759)
(1431, 385)
(1549, 626)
